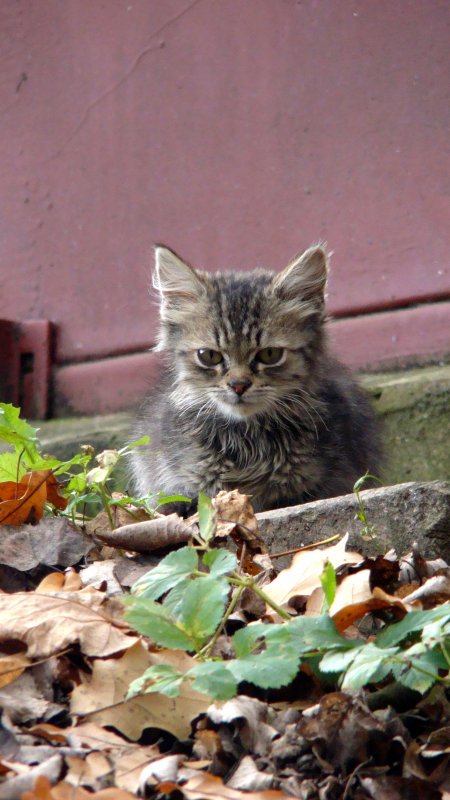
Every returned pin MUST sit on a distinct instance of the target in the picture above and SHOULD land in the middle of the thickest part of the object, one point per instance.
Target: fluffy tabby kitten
(251, 398)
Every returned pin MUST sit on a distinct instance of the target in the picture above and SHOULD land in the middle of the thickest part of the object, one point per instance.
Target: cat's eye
(209, 358)
(270, 356)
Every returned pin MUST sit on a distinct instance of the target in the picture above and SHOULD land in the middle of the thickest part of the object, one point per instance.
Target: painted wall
(237, 132)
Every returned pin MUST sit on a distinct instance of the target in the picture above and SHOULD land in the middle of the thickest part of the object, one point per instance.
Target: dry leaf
(354, 598)
(234, 508)
(204, 785)
(49, 623)
(152, 534)
(434, 591)
(64, 791)
(109, 684)
(25, 501)
(127, 759)
(11, 667)
(303, 576)
(54, 540)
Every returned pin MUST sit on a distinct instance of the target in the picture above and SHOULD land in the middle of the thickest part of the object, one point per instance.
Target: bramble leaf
(213, 678)
(412, 622)
(219, 562)
(162, 678)
(170, 571)
(202, 608)
(153, 620)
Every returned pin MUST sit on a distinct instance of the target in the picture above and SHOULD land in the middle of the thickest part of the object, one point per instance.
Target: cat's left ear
(305, 277)
(173, 278)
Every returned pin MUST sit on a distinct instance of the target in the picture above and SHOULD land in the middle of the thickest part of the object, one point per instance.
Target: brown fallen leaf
(354, 598)
(303, 575)
(434, 591)
(108, 685)
(23, 783)
(126, 758)
(121, 515)
(25, 501)
(151, 534)
(53, 541)
(234, 509)
(204, 785)
(49, 623)
(11, 667)
(43, 790)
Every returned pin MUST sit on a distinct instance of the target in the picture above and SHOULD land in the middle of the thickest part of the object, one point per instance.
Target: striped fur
(302, 430)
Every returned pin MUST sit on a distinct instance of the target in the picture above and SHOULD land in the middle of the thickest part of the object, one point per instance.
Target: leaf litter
(68, 656)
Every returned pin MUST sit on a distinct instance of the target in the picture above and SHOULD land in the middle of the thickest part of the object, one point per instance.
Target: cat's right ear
(174, 279)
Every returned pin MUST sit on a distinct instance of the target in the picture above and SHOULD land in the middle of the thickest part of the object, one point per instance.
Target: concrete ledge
(398, 516)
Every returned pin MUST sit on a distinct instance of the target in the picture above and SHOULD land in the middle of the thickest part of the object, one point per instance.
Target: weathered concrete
(413, 405)
(398, 516)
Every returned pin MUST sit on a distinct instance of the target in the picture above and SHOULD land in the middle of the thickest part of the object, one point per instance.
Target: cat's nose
(239, 385)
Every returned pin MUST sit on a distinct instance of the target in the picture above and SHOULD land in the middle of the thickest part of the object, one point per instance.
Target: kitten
(251, 398)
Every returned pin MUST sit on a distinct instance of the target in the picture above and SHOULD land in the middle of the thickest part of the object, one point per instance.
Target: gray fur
(303, 430)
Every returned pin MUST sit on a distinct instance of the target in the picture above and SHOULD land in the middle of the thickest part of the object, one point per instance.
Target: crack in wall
(137, 60)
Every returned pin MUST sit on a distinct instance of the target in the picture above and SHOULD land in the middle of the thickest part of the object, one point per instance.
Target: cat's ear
(305, 277)
(173, 278)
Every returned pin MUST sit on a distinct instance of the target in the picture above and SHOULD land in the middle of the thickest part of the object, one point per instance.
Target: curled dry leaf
(435, 590)
(234, 508)
(354, 598)
(152, 534)
(303, 575)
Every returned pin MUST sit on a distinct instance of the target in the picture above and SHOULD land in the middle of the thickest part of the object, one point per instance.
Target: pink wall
(237, 132)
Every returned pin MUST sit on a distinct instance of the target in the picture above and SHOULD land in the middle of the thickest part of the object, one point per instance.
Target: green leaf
(162, 499)
(246, 639)
(219, 562)
(153, 620)
(206, 517)
(18, 432)
(318, 633)
(328, 581)
(203, 607)
(12, 467)
(370, 664)
(162, 678)
(213, 678)
(412, 622)
(338, 660)
(175, 598)
(269, 669)
(419, 670)
(170, 571)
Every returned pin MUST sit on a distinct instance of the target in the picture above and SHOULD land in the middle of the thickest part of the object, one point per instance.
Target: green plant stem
(396, 660)
(249, 583)
(104, 496)
(207, 649)
(445, 653)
